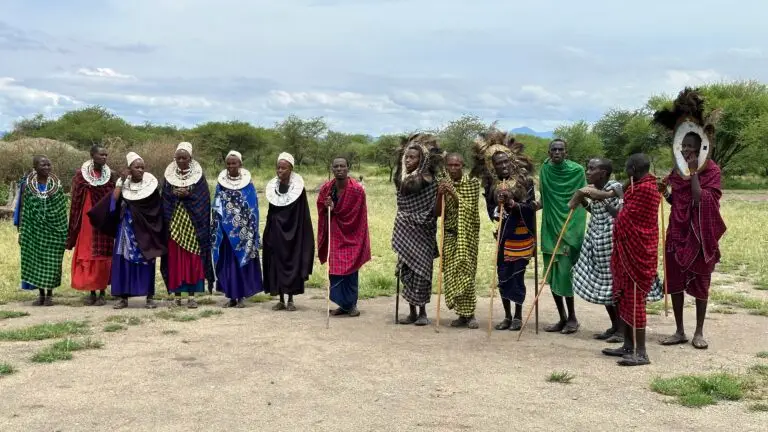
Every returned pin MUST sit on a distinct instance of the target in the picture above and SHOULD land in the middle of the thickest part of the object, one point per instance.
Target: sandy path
(255, 369)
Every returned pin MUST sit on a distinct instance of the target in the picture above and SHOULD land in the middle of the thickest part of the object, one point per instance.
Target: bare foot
(698, 342)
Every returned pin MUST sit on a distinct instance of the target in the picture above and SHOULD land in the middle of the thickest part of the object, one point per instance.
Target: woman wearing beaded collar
(41, 218)
(92, 258)
(235, 233)
(133, 215)
(187, 204)
(289, 242)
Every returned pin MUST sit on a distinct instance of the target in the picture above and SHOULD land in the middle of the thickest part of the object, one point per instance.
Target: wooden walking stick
(397, 298)
(664, 258)
(328, 262)
(536, 268)
(442, 257)
(494, 280)
(546, 273)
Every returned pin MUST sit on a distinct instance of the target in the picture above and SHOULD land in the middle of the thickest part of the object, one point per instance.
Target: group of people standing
(119, 225)
(612, 260)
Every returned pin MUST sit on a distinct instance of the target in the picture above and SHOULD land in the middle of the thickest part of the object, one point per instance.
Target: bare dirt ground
(255, 369)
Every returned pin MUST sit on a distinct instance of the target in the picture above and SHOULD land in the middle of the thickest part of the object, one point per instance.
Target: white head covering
(235, 154)
(187, 147)
(131, 157)
(286, 157)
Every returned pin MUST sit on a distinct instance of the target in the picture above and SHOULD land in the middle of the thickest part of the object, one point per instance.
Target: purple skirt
(132, 280)
(234, 281)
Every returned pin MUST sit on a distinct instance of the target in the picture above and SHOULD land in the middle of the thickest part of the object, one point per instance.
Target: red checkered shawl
(350, 243)
(636, 233)
(102, 243)
(694, 232)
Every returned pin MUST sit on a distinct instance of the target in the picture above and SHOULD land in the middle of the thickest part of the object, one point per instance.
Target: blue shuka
(235, 238)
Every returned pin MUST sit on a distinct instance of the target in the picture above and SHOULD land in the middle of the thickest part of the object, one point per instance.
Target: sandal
(555, 328)
(150, 304)
(240, 304)
(290, 307)
(100, 301)
(634, 360)
(410, 319)
(605, 335)
(698, 342)
(617, 352)
(516, 324)
(421, 321)
(570, 328)
(338, 311)
(504, 325)
(675, 339)
(354, 312)
(121, 304)
(616, 338)
(278, 306)
(472, 324)
(460, 322)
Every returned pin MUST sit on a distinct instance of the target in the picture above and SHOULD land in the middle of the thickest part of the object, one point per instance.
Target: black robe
(148, 224)
(288, 247)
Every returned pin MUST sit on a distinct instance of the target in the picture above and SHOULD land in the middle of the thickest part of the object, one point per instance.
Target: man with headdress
(289, 244)
(133, 215)
(235, 233)
(695, 223)
(41, 218)
(92, 258)
(509, 197)
(560, 178)
(350, 246)
(461, 237)
(187, 204)
(413, 236)
(634, 258)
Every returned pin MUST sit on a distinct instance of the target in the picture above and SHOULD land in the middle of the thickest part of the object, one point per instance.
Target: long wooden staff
(328, 262)
(397, 298)
(546, 273)
(442, 257)
(664, 257)
(494, 280)
(536, 268)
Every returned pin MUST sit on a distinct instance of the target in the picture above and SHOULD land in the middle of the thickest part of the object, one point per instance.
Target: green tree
(216, 139)
(459, 135)
(299, 136)
(583, 143)
(385, 153)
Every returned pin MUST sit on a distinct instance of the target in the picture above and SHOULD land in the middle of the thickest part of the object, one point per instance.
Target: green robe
(558, 184)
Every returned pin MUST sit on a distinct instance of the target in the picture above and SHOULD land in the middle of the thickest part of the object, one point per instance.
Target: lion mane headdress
(494, 141)
(431, 163)
(687, 116)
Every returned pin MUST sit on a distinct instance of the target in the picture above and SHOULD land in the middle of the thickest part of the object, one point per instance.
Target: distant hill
(2, 134)
(528, 131)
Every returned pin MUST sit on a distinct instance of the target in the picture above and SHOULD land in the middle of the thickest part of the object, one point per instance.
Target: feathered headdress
(687, 116)
(431, 162)
(494, 141)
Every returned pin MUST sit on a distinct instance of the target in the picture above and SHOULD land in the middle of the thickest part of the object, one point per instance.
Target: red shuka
(350, 244)
(636, 249)
(694, 232)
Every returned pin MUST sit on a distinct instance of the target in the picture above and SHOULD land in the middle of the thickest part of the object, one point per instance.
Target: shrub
(16, 159)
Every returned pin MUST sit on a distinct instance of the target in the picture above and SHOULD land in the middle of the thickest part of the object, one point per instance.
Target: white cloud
(103, 73)
(540, 94)
(749, 53)
(172, 101)
(17, 93)
(678, 79)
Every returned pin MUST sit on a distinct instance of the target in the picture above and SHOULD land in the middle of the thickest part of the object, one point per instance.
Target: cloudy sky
(373, 66)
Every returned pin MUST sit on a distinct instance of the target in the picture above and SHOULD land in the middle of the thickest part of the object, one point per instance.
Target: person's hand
(662, 185)
(124, 173)
(181, 192)
(575, 200)
(538, 205)
(693, 163)
(502, 196)
(442, 188)
(328, 202)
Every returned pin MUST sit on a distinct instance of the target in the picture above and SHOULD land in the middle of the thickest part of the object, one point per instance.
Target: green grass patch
(5, 314)
(63, 349)
(655, 308)
(755, 306)
(44, 331)
(260, 298)
(170, 332)
(206, 301)
(725, 310)
(207, 313)
(175, 316)
(113, 327)
(561, 377)
(762, 354)
(759, 407)
(6, 369)
(124, 319)
(695, 391)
